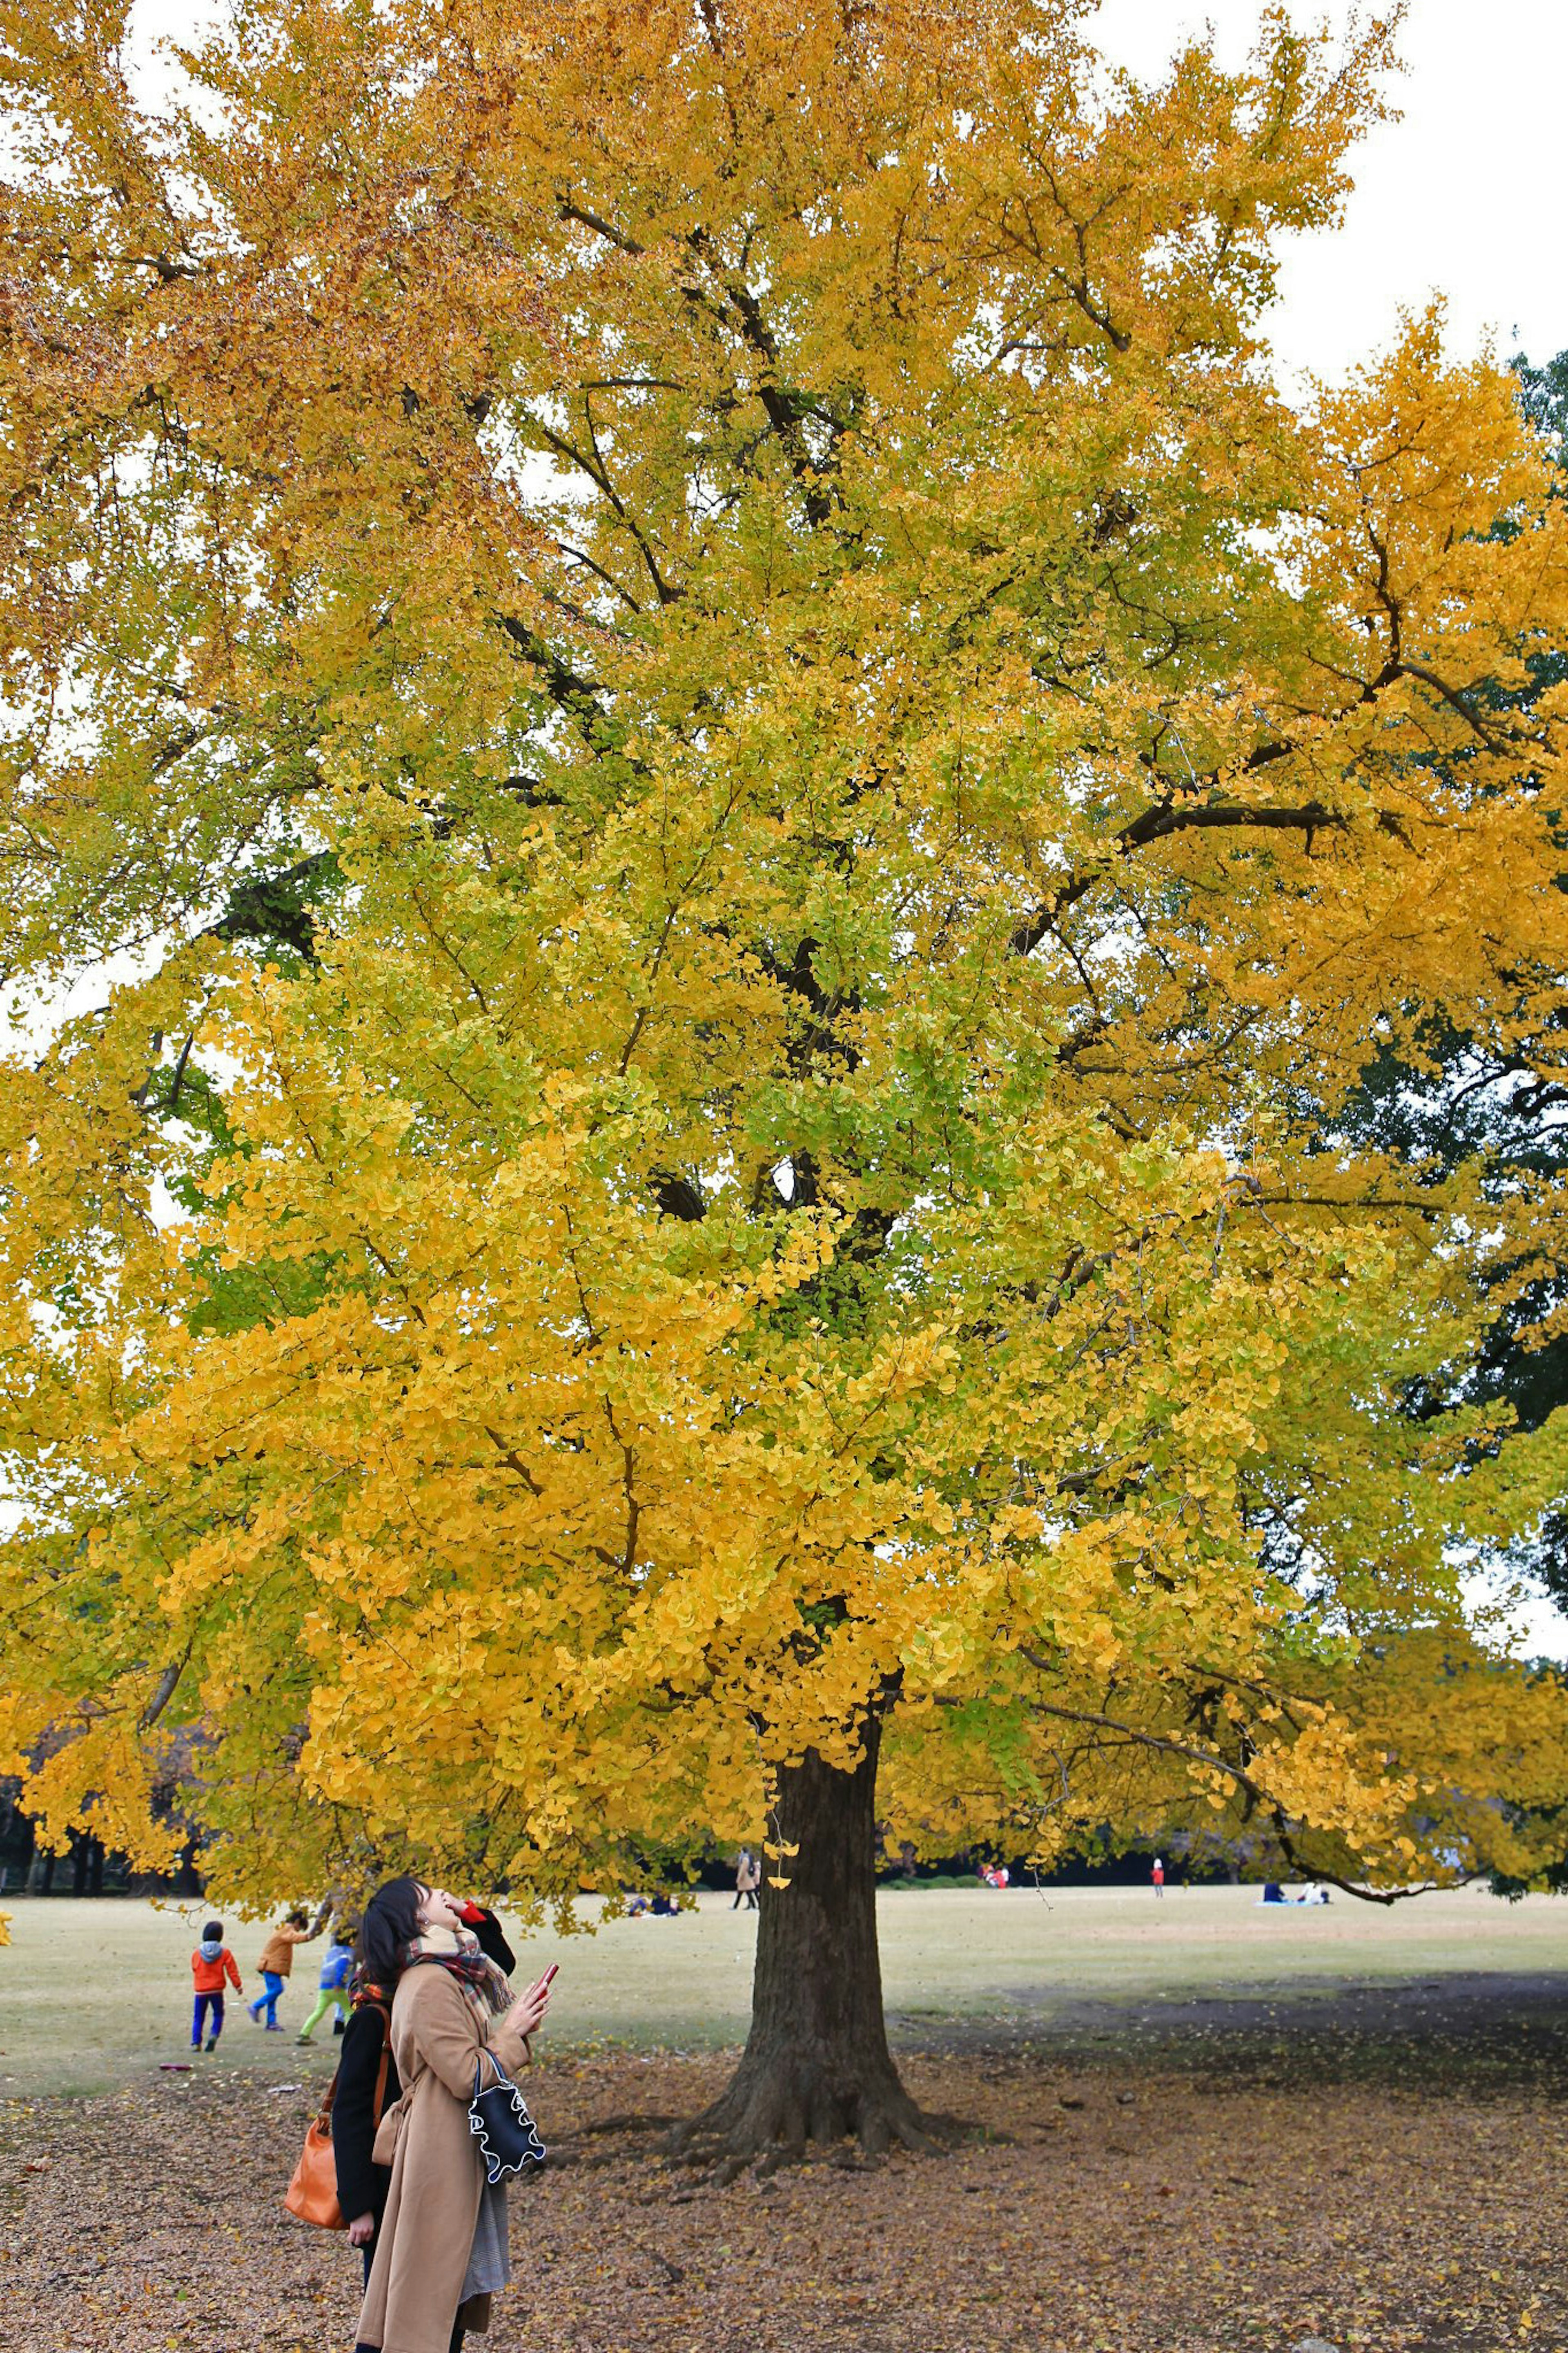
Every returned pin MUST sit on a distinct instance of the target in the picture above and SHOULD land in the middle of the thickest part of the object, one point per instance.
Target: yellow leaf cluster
(776, 796)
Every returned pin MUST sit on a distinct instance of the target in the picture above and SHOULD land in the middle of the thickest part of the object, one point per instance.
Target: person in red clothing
(1158, 1876)
(211, 1964)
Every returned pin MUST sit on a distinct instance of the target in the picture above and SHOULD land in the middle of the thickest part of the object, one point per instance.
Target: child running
(332, 1986)
(276, 1965)
(210, 1963)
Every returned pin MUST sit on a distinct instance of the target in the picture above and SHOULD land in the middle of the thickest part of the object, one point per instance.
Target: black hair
(214, 1930)
(390, 1925)
(299, 1920)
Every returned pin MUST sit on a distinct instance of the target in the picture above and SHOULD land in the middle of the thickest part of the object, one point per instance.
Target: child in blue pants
(272, 1986)
(212, 1963)
(277, 1966)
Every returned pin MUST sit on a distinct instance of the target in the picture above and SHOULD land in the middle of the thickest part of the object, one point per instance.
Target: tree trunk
(817, 2066)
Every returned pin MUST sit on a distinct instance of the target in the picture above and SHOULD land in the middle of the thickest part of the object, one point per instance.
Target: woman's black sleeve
(362, 2185)
(492, 1944)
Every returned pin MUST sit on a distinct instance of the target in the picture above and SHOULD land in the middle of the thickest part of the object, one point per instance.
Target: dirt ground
(1379, 2168)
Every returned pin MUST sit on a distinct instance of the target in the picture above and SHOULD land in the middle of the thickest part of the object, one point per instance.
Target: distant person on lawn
(276, 1965)
(748, 1879)
(332, 1986)
(441, 2250)
(212, 1963)
(1158, 1876)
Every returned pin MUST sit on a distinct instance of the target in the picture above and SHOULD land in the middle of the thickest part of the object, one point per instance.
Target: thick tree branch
(513, 1460)
(1154, 824)
(163, 1691)
(578, 698)
(677, 1197)
(271, 907)
(569, 209)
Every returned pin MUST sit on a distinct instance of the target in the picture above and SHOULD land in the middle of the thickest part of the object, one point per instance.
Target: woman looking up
(364, 2092)
(441, 2247)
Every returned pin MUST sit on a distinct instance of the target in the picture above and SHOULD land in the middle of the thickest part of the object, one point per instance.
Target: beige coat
(433, 2202)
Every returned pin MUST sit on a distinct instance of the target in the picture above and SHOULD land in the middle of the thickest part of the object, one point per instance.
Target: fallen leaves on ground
(1108, 2203)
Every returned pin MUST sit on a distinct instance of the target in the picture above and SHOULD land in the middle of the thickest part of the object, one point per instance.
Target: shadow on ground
(1476, 2032)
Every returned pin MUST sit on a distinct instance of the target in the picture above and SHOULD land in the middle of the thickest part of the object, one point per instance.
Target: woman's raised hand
(530, 2006)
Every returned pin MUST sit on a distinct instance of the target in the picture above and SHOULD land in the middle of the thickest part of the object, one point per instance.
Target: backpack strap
(380, 2100)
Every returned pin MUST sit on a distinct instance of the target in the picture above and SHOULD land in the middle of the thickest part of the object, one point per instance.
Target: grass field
(94, 1996)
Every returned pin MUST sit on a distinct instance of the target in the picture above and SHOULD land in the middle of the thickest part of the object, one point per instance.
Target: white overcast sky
(1463, 197)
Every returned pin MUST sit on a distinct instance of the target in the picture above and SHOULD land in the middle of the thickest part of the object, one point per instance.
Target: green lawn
(95, 1995)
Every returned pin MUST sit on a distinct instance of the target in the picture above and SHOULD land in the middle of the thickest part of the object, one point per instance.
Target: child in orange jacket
(210, 1963)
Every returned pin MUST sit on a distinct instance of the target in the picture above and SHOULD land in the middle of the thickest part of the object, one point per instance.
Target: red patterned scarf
(486, 1988)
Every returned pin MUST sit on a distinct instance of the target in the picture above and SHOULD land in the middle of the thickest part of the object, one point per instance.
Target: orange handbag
(313, 2192)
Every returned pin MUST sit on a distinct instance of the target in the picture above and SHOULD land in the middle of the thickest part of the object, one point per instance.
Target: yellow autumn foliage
(768, 796)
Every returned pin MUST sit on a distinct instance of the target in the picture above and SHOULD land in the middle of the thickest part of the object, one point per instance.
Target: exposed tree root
(575, 2148)
(631, 2120)
(761, 2122)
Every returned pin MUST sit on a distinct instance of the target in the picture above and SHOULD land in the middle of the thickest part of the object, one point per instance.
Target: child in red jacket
(210, 1963)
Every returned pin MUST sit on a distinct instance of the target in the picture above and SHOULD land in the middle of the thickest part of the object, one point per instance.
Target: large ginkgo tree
(747, 796)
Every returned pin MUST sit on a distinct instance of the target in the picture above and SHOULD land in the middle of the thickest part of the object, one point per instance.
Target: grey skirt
(489, 2257)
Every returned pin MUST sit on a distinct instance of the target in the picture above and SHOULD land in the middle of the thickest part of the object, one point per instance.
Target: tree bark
(816, 2065)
